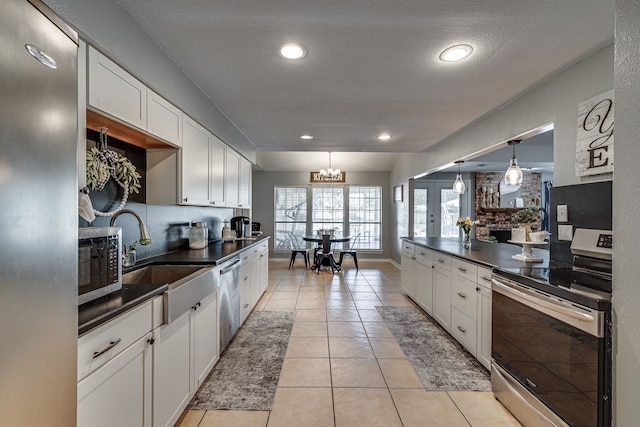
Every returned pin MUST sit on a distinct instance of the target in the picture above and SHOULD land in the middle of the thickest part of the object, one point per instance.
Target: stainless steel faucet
(145, 239)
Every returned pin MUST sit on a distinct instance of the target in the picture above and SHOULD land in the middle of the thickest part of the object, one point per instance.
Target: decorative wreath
(104, 164)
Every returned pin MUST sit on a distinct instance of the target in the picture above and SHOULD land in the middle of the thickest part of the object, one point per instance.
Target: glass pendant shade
(513, 176)
(458, 185)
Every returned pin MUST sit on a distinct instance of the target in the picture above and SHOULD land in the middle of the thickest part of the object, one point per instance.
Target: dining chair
(298, 247)
(325, 255)
(351, 251)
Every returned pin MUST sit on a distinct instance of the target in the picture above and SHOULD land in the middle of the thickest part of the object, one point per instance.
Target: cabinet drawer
(465, 269)
(484, 277)
(423, 255)
(442, 260)
(464, 296)
(463, 329)
(408, 248)
(114, 337)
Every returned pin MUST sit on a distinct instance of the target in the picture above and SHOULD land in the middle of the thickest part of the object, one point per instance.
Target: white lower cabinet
(264, 267)
(172, 385)
(442, 296)
(454, 292)
(119, 392)
(185, 351)
(484, 317)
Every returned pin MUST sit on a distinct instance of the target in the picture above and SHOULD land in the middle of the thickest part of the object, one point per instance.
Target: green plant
(99, 171)
(525, 216)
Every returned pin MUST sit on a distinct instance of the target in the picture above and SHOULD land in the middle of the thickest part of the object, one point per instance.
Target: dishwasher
(229, 295)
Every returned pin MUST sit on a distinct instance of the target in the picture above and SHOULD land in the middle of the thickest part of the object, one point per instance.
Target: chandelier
(330, 173)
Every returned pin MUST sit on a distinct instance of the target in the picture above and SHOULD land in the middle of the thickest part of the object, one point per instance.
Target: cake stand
(527, 254)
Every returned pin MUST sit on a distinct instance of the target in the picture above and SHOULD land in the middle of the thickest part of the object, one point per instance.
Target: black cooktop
(561, 280)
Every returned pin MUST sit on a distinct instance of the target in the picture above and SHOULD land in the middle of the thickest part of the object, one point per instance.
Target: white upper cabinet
(216, 169)
(232, 179)
(115, 91)
(244, 183)
(164, 119)
(195, 163)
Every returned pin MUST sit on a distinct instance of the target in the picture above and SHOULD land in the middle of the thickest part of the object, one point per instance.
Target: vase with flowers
(465, 225)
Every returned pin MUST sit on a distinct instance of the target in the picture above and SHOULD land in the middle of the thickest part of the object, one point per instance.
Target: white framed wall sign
(594, 145)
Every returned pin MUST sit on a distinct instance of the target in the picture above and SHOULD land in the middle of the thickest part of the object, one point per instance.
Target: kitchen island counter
(492, 255)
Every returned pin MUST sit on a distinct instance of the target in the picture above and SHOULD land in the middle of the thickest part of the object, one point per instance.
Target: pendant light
(513, 176)
(458, 185)
(330, 173)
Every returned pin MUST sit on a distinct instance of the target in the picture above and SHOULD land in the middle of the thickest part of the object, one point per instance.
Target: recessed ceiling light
(456, 53)
(384, 137)
(292, 51)
(306, 137)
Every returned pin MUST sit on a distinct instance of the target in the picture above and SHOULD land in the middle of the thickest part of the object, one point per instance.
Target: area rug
(247, 373)
(440, 361)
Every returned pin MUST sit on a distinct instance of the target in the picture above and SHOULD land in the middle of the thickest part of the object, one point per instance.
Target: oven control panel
(593, 243)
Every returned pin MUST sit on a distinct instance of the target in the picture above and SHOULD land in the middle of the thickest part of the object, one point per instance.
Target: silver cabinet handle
(461, 295)
(186, 199)
(440, 260)
(486, 279)
(246, 305)
(461, 329)
(422, 253)
(112, 344)
(464, 270)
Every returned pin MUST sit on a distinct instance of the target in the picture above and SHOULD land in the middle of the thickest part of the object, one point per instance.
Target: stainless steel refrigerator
(38, 217)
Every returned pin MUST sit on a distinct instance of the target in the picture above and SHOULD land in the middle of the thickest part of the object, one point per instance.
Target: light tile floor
(343, 368)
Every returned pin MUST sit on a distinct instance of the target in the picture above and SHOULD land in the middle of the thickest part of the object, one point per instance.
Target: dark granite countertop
(94, 313)
(485, 253)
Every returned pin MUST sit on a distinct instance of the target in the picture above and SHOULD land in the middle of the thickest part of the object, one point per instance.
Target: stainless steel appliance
(229, 296)
(551, 337)
(99, 262)
(39, 198)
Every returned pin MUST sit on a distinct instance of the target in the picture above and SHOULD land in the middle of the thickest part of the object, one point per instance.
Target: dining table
(332, 241)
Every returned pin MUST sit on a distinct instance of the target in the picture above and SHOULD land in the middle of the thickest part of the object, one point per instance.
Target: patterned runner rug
(440, 361)
(247, 373)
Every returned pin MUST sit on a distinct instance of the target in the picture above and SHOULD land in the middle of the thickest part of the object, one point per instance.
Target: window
(365, 216)
(328, 209)
(420, 212)
(450, 211)
(348, 210)
(290, 214)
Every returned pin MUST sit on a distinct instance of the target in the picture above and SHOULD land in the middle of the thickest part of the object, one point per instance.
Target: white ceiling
(371, 65)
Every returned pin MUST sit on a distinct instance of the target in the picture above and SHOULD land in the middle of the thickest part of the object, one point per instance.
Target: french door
(436, 207)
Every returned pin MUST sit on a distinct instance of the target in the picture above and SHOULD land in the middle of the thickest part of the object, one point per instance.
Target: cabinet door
(206, 346)
(120, 392)
(464, 329)
(255, 281)
(172, 384)
(116, 92)
(442, 297)
(245, 291)
(264, 268)
(408, 275)
(194, 164)
(424, 286)
(216, 171)
(484, 327)
(164, 120)
(232, 178)
(244, 184)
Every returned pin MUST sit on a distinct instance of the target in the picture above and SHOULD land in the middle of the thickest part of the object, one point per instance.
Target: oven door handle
(543, 301)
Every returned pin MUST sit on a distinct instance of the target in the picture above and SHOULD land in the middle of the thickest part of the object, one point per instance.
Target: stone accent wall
(500, 218)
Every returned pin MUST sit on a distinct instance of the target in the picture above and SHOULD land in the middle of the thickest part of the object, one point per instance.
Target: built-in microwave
(99, 262)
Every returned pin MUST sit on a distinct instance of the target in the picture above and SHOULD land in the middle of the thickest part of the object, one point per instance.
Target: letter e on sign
(594, 145)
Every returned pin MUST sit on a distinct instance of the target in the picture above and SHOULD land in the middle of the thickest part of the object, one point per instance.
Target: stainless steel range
(551, 337)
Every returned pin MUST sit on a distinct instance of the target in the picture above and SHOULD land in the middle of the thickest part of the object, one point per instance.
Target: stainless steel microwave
(99, 262)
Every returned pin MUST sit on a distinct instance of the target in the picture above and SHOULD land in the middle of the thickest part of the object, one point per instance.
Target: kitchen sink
(188, 285)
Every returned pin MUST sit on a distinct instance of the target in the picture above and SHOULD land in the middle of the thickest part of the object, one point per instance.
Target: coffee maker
(242, 226)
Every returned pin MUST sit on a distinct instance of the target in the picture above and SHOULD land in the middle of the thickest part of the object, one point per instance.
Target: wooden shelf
(500, 209)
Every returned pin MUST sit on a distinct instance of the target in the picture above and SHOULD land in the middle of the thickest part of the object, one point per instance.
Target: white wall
(626, 202)
(103, 24)
(262, 203)
(555, 101)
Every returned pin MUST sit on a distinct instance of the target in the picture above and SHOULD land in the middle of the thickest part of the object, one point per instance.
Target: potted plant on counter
(525, 217)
